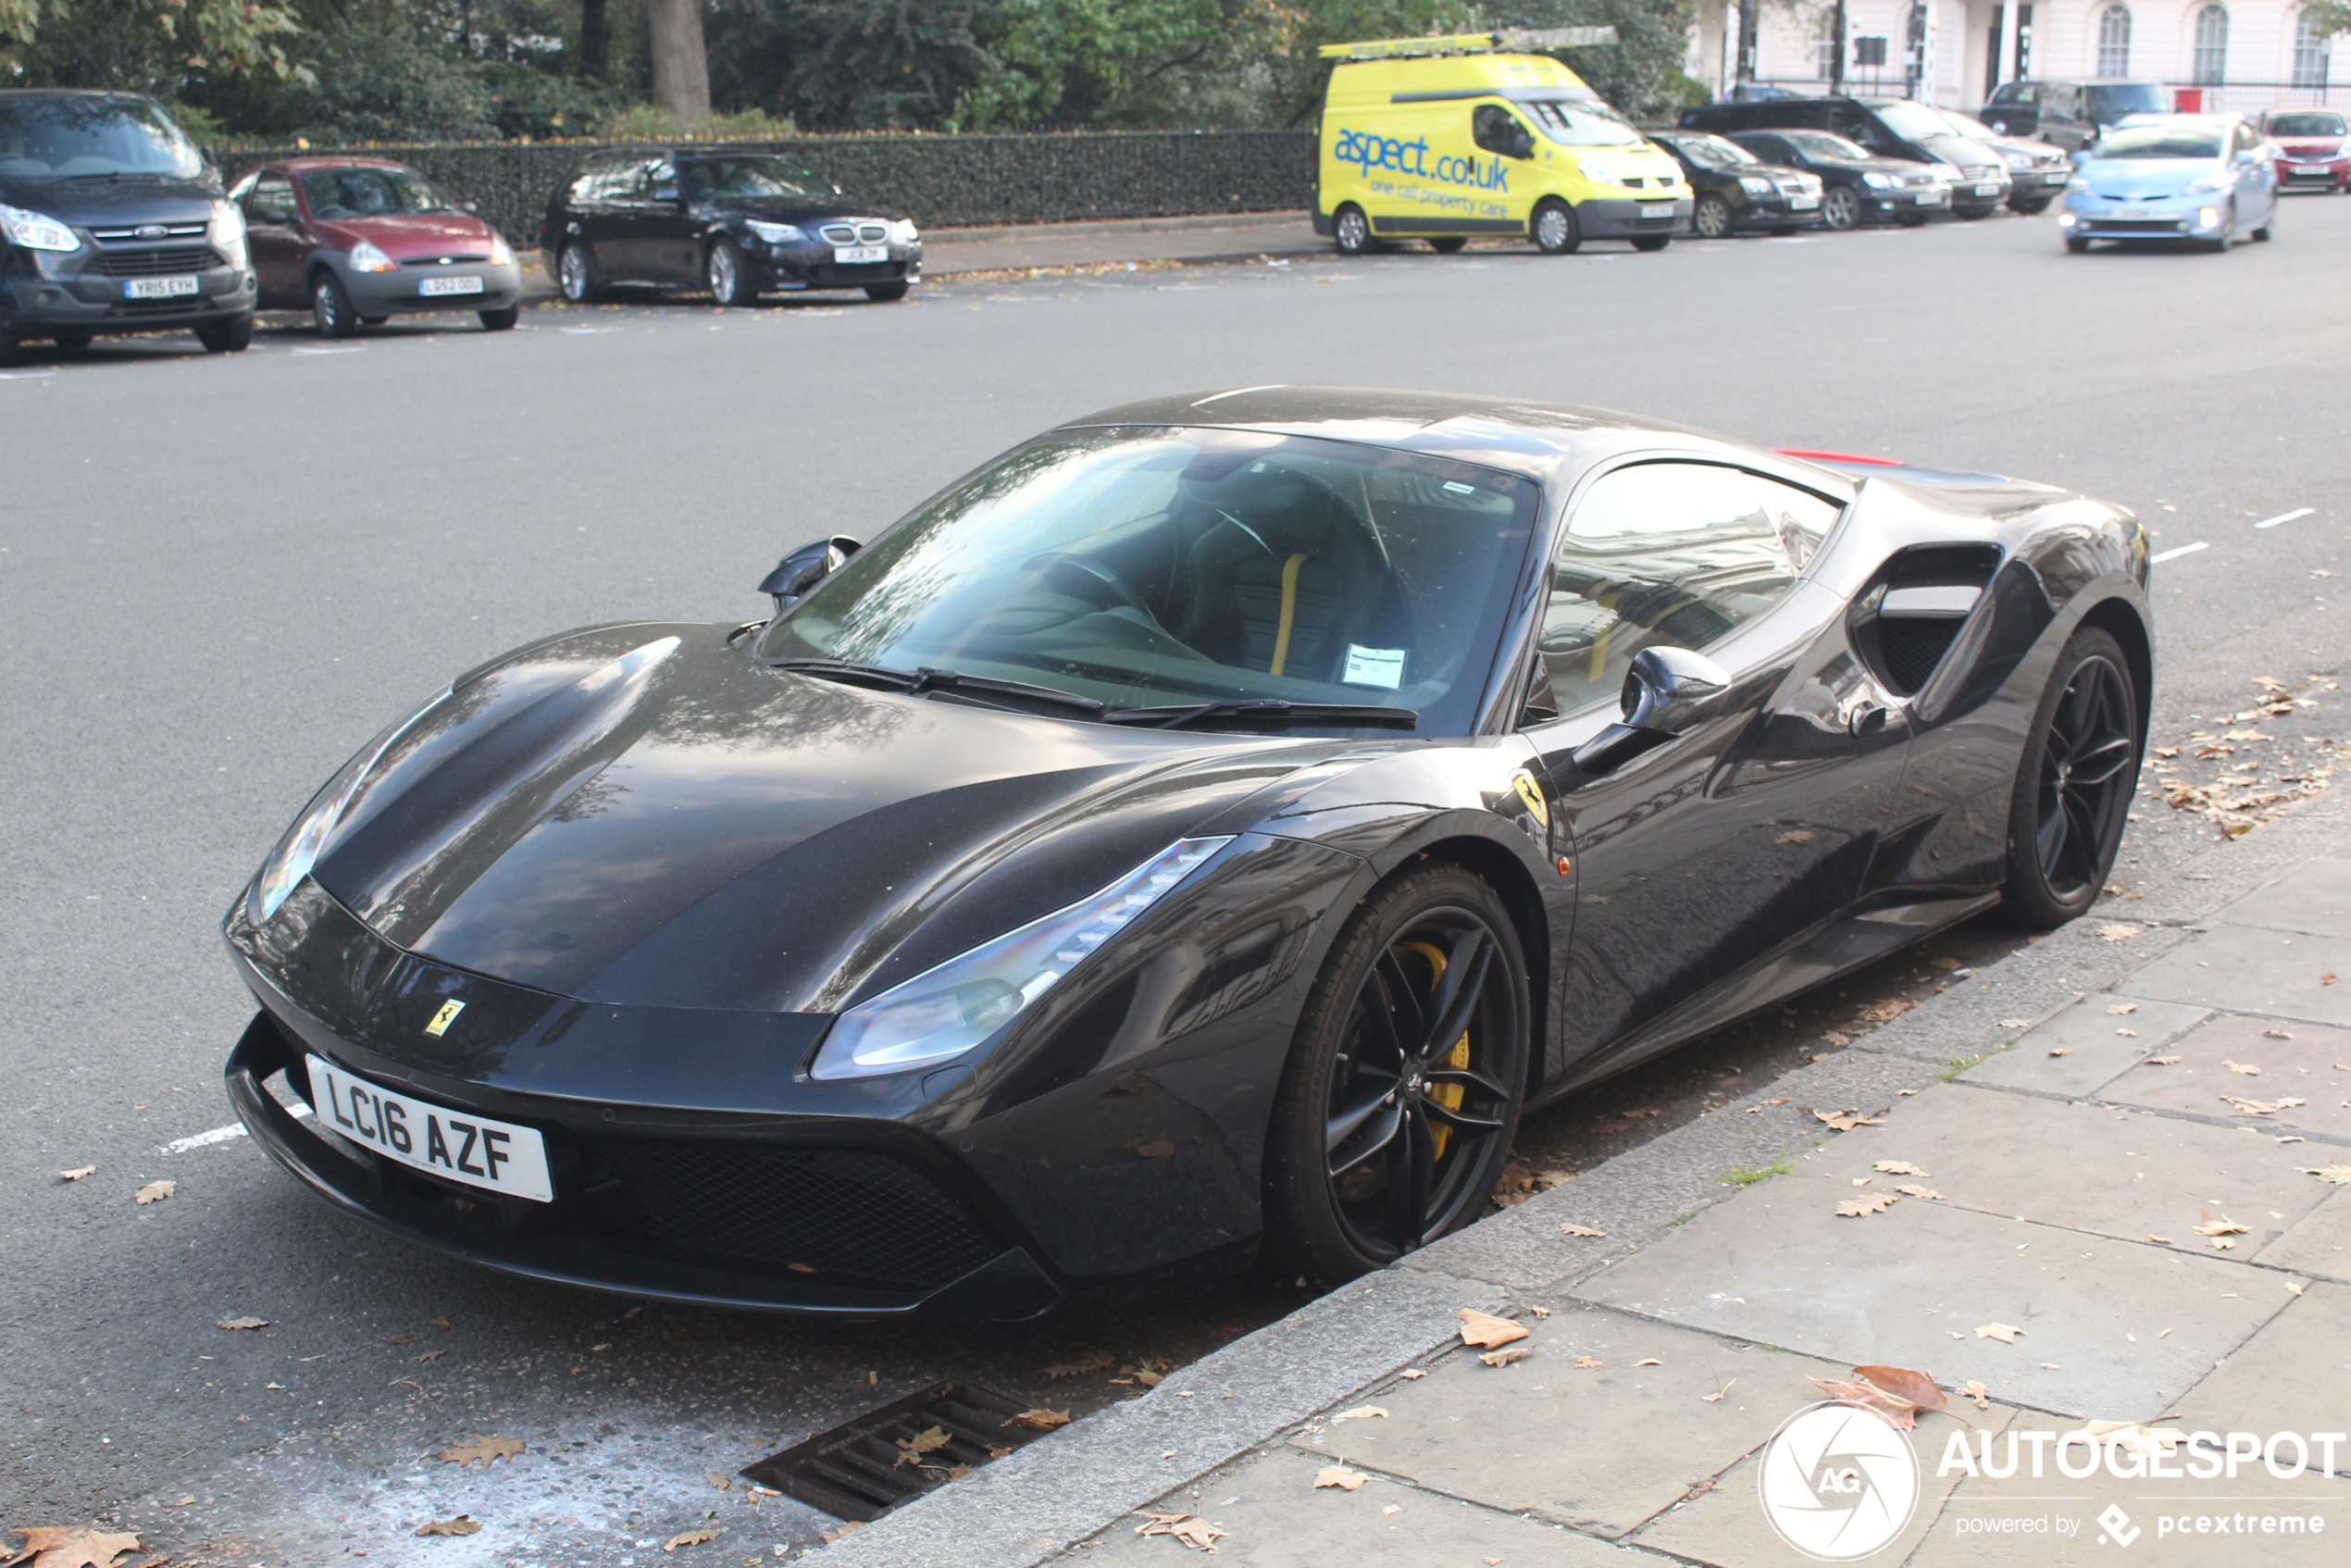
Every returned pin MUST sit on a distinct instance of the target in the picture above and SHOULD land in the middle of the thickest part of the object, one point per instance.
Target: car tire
(883, 293)
(1651, 243)
(233, 336)
(2076, 243)
(2031, 210)
(1553, 226)
(73, 343)
(724, 274)
(1449, 245)
(1840, 208)
(9, 345)
(2263, 233)
(1782, 231)
(331, 310)
(2074, 788)
(1912, 219)
(576, 277)
(1400, 1183)
(1351, 230)
(1711, 218)
(500, 321)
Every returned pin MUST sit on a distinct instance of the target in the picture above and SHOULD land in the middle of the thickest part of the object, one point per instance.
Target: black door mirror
(668, 195)
(805, 568)
(1668, 692)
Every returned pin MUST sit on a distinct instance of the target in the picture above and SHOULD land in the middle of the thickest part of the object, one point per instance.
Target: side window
(1496, 129)
(1668, 554)
(661, 180)
(271, 199)
(1771, 149)
(583, 186)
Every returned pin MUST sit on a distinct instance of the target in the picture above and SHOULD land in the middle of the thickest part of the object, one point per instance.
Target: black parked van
(112, 221)
(736, 224)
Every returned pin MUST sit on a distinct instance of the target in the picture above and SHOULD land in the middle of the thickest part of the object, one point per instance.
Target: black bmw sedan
(735, 224)
(1195, 836)
(1736, 189)
(1858, 188)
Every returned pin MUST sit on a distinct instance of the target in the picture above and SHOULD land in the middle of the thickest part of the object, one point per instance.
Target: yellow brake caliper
(1447, 1095)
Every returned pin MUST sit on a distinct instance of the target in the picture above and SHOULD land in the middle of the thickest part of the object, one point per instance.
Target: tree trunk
(681, 71)
(595, 40)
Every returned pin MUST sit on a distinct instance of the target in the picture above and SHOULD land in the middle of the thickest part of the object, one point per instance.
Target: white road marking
(2158, 559)
(2285, 517)
(219, 1135)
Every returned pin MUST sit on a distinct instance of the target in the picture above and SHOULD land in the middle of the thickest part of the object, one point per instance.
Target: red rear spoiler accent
(1811, 456)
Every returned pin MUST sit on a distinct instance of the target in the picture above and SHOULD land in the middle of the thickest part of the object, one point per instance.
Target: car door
(672, 253)
(2256, 178)
(1699, 858)
(621, 226)
(274, 235)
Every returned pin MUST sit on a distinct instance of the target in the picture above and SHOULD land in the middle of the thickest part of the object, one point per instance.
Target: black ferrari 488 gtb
(1199, 833)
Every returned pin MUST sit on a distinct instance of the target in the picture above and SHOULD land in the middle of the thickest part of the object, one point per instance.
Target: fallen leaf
(1487, 1331)
(2297, 1285)
(243, 1322)
(849, 1528)
(1867, 1204)
(2000, 1331)
(464, 1525)
(1080, 1364)
(1339, 1475)
(1887, 1011)
(2248, 1068)
(2160, 1240)
(1504, 1358)
(2131, 1033)
(1899, 1167)
(77, 1173)
(1157, 1148)
(2061, 1051)
(2222, 1226)
(1649, 1361)
(930, 1439)
(1947, 964)
(394, 1339)
(1362, 1412)
(1392, 1508)
(1193, 1531)
(1900, 1411)
(1912, 1190)
(2162, 1060)
(1149, 1378)
(429, 1355)
(1716, 1397)
(689, 1537)
(71, 1546)
(1583, 1230)
(1413, 1374)
(486, 1449)
(1903, 1384)
(1586, 1364)
(1974, 1388)
(2252, 1107)
(2327, 978)
(155, 1192)
(2276, 1034)
(2338, 1173)
(2118, 932)
(1795, 836)
(1041, 1420)
(2120, 1008)
(2013, 1024)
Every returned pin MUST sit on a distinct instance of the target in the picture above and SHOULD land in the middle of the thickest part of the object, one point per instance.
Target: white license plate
(1929, 198)
(495, 1156)
(2129, 212)
(450, 286)
(1802, 204)
(2055, 176)
(1651, 211)
(849, 255)
(1987, 189)
(157, 288)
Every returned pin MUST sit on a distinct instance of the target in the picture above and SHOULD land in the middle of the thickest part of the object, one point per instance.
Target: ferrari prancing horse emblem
(442, 1019)
(1532, 793)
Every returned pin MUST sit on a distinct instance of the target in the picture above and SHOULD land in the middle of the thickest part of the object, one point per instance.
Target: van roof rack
(1535, 40)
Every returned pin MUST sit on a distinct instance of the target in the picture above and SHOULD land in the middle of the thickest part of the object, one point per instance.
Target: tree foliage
(131, 43)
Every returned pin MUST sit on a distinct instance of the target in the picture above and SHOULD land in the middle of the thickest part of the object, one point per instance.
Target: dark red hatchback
(2314, 148)
(357, 239)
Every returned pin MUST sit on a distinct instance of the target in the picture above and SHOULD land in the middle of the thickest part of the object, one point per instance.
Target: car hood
(642, 814)
(410, 236)
(1965, 153)
(2145, 177)
(2308, 144)
(802, 209)
(106, 203)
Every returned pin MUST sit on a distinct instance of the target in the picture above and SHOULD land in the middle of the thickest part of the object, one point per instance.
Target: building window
(2212, 45)
(2114, 41)
(2309, 52)
(1824, 46)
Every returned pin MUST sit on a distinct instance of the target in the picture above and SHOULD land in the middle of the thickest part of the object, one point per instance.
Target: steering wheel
(1090, 580)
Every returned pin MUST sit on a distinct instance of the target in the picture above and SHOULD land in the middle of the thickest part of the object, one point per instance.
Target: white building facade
(2241, 55)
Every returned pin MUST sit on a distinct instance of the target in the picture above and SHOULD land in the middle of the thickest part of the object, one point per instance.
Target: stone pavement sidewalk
(2115, 1164)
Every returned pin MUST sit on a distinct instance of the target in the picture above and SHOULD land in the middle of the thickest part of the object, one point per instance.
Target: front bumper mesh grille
(160, 262)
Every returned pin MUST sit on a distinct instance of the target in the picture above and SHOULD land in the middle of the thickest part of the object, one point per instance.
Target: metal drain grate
(858, 1470)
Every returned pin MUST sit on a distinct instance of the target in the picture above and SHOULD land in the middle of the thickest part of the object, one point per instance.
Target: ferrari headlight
(500, 253)
(366, 257)
(36, 230)
(952, 1009)
(298, 850)
(776, 233)
(1876, 181)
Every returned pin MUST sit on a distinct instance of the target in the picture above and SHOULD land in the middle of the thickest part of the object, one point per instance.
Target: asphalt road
(218, 576)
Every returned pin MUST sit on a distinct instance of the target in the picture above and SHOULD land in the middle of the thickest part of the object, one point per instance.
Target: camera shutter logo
(1838, 1483)
(2118, 1525)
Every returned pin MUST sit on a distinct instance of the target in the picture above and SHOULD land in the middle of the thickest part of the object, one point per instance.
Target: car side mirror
(667, 193)
(805, 568)
(1668, 692)
(469, 206)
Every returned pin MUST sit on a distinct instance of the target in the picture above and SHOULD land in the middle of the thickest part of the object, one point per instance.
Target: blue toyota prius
(2202, 179)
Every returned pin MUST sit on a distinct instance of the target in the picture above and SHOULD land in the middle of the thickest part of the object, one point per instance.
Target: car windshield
(1178, 566)
(707, 178)
(1586, 122)
(363, 192)
(1712, 152)
(88, 136)
(2160, 142)
(1821, 144)
(1909, 121)
(2306, 122)
(2128, 97)
(1964, 125)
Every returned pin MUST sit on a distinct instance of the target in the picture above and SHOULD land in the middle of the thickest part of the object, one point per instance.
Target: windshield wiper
(926, 679)
(1265, 708)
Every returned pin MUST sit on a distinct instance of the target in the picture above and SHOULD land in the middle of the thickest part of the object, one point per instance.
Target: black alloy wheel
(233, 336)
(1351, 230)
(1841, 208)
(1403, 1090)
(1554, 227)
(729, 281)
(1711, 219)
(1449, 245)
(573, 276)
(2073, 792)
(331, 308)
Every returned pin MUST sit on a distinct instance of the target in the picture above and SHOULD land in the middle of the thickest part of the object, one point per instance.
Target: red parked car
(357, 239)
(2312, 155)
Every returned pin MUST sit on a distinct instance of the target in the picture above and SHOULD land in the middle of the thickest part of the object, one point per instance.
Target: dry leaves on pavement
(930, 1439)
(1867, 1204)
(71, 1546)
(1190, 1529)
(1518, 1183)
(1846, 1120)
(1583, 1230)
(1716, 1397)
(2118, 1009)
(1040, 1419)
(2162, 1060)
(1082, 1364)
(2061, 1051)
(1974, 1388)
(2339, 1175)
(1587, 1363)
(1362, 1412)
(1912, 1190)
(155, 1192)
(2006, 1334)
(2132, 1438)
(1487, 1331)
(1899, 1412)
(2118, 932)
(1899, 1167)
(1506, 1357)
(851, 1527)
(2248, 1068)
(1887, 1011)
(1339, 1475)
(689, 1537)
(464, 1525)
(77, 1173)
(1916, 1387)
(243, 1322)
(1413, 1374)
(2255, 1107)
(487, 1450)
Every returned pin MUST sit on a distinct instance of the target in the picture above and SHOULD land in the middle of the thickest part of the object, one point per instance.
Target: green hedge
(940, 181)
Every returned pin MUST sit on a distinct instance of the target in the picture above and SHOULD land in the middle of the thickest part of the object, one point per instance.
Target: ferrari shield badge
(442, 1019)
(1532, 793)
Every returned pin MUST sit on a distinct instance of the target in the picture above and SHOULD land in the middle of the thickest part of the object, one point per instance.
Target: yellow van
(1445, 138)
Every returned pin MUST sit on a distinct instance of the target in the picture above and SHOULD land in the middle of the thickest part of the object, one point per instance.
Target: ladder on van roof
(1532, 40)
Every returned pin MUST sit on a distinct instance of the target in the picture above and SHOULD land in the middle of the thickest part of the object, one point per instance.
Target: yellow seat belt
(1289, 613)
